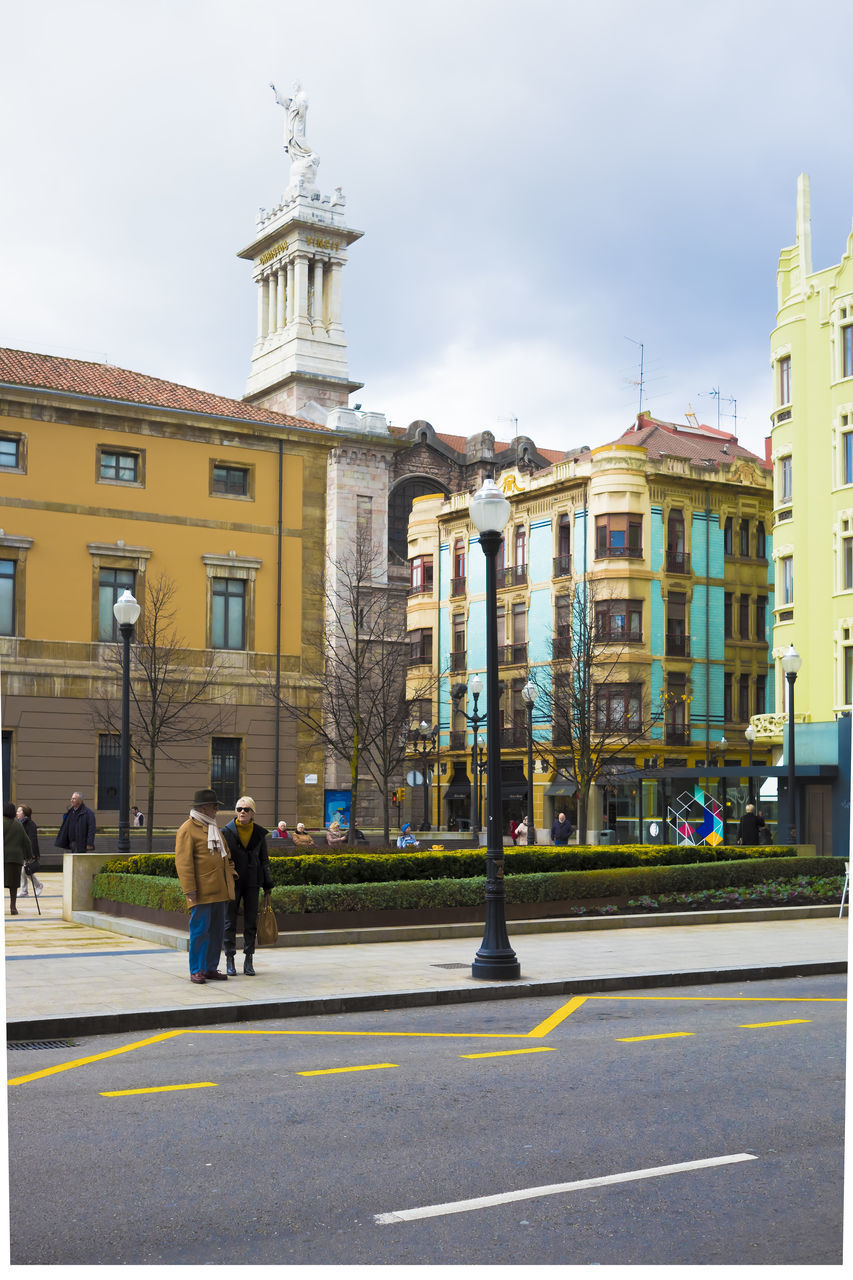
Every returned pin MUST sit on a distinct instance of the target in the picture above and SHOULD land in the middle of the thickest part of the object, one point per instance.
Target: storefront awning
(458, 788)
(562, 787)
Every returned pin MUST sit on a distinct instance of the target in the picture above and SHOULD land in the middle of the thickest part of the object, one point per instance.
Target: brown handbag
(267, 925)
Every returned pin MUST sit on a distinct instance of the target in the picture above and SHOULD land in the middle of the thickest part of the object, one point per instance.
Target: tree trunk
(149, 817)
(583, 811)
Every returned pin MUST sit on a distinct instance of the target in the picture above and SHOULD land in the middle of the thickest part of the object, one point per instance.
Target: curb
(55, 1027)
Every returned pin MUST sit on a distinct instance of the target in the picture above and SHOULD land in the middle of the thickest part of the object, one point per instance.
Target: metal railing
(512, 655)
(677, 561)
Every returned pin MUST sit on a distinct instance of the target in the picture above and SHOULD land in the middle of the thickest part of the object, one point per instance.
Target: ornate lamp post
(126, 610)
(428, 737)
(749, 734)
(475, 719)
(489, 511)
(724, 784)
(481, 765)
(791, 663)
(529, 693)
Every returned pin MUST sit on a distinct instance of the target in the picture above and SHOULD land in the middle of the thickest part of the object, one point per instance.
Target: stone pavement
(65, 978)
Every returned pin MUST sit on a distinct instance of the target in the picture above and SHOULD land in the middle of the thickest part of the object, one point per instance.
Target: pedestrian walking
(17, 850)
(206, 873)
(77, 830)
(303, 837)
(520, 834)
(561, 829)
(137, 819)
(247, 844)
(749, 826)
(24, 814)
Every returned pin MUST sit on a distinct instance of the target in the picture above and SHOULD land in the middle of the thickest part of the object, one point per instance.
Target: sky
(545, 191)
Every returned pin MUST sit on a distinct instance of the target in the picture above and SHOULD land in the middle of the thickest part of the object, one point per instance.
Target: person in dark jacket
(247, 844)
(77, 831)
(561, 829)
(17, 850)
(749, 826)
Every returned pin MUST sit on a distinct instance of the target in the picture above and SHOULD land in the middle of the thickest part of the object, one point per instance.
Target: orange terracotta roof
(108, 382)
(682, 440)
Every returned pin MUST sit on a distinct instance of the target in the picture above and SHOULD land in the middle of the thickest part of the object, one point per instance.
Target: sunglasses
(243, 808)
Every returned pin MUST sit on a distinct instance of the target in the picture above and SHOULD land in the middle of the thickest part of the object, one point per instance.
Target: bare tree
(170, 693)
(359, 665)
(596, 692)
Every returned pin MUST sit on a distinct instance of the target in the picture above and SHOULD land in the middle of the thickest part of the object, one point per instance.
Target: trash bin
(607, 836)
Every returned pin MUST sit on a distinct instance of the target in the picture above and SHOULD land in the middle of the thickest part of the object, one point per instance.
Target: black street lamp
(724, 786)
(481, 768)
(749, 734)
(475, 719)
(489, 511)
(529, 693)
(791, 663)
(427, 744)
(126, 610)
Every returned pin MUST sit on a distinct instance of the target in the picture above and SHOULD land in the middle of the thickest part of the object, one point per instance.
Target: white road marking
(557, 1188)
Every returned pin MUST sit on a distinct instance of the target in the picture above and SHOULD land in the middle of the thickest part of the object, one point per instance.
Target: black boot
(230, 966)
(248, 967)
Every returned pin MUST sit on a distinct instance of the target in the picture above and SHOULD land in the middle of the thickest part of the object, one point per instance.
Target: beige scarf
(215, 843)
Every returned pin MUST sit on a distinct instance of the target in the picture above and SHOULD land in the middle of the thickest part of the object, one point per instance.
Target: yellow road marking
(98, 1057)
(664, 1035)
(336, 1071)
(506, 1053)
(159, 1088)
(556, 1018)
(788, 1023)
(387, 1035)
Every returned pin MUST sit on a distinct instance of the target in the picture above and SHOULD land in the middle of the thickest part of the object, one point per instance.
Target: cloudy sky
(542, 187)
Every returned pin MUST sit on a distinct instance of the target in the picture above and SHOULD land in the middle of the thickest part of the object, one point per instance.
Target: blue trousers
(207, 925)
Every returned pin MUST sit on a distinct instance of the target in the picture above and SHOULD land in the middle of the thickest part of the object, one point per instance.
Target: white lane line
(557, 1188)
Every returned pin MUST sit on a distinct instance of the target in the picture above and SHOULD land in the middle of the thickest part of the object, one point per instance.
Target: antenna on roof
(715, 394)
(691, 416)
(640, 383)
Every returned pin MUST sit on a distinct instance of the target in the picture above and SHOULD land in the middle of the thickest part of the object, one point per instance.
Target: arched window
(399, 510)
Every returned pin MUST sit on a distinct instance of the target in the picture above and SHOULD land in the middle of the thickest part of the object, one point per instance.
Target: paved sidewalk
(67, 978)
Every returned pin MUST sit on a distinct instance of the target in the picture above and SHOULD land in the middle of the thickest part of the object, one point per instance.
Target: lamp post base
(496, 965)
(495, 958)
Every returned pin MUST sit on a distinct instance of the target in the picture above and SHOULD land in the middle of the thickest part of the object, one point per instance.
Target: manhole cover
(41, 1044)
(451, 966)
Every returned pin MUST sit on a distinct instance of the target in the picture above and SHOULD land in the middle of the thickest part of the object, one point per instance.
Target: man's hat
(206, 796)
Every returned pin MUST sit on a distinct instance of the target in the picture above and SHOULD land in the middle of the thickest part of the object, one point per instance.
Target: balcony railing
(512, 655)
(562, 566)
(420, 658)
(421, 589)
(514, 576)
(561, 647)
(458, 739)
(608, 550)
(614, 634)
(457, 586)
(514, 735)
(458, 660)
(677, 644)
(678, 561)
(677, 735)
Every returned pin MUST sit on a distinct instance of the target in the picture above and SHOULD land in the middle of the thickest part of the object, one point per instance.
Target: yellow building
(111, 480)
(667, 529)
(812, 451)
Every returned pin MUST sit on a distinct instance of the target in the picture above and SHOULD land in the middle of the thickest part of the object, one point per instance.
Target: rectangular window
(109, 770)
(225, 770)
(728, 699)
(847, 351)
(118, 468)
(9, 452)
(848, 675)
(7, 598)
(743, 617)
(228, 613)
(744, 538)
(760, 541)
(231, 481)
(364, 519)
(727, 615)
(420, 575)
(784, 367)
(618, 707)
(728, 537)
(619, 620)
(760, 695)
(786, 477)
(786, 568)
(619, 535)
(111, 584)
(761, 617)
(743, 699)
(420, 647)
(847, 563)
(847, 457)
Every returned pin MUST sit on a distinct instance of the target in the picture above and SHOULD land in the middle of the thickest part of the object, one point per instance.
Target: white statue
(303, 161)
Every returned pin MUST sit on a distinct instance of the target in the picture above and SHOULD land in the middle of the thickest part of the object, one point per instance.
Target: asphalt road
(323, 1141)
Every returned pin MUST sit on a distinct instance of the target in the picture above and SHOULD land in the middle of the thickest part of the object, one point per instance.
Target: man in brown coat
(206, 873)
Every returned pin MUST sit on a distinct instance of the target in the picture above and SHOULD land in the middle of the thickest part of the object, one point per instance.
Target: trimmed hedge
(393, 865)
(555, 886)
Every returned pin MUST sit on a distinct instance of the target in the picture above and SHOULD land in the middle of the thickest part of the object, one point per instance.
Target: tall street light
(529, 693)
(428, 737)
(126, 610)
(791, 663)
(749, 734)
(475, 719)
(489, 511)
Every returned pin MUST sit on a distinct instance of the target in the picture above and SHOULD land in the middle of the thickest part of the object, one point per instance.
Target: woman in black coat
(247, 844)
